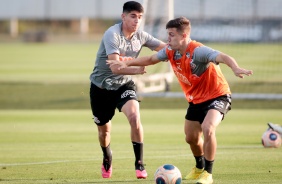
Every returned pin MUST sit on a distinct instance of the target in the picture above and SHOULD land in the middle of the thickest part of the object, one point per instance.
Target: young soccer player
(207, 91)
(112, 88)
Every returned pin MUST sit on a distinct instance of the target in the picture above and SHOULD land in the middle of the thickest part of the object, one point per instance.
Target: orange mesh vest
(198, 89)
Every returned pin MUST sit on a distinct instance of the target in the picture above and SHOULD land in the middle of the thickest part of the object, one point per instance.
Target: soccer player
(197, 69)
(111, 88)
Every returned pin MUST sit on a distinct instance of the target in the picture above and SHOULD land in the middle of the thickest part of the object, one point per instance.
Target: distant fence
(111, 9)
(216, 20)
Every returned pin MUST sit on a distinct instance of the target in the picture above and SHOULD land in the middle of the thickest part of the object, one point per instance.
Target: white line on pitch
(120, 158)
(69, 161)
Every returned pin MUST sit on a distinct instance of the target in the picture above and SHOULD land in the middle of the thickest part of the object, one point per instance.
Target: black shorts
(104, 102)
(198, 112)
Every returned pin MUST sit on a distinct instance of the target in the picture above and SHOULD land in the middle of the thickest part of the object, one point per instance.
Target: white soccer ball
(168, 174)
(271, 139)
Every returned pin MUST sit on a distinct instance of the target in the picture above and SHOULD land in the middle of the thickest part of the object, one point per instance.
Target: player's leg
(209, 125)
(211, 121)
(103, 109)
(129, 105)
(131, 111)
(193, 133)
(193, 136)
(216, 109)
(104, 136)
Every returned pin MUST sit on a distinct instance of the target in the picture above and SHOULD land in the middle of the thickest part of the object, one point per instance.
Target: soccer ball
(271, 139)
(168, 174)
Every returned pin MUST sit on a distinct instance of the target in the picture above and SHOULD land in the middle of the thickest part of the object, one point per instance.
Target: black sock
(138, 151)
(200, 162)
(208, 166)
(107, 157)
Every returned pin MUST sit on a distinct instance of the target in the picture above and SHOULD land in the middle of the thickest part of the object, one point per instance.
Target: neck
(184, 46)
(127, 34)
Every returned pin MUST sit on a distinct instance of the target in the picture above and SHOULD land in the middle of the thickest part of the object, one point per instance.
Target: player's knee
(134, 120)
(103, 134)
(208, 131)
(192, 140)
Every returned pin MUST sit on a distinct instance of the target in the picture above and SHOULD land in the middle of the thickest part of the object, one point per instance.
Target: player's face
(174, 38)
(132, 20)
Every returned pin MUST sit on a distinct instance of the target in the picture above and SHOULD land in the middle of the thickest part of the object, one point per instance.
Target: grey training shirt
(202, 57)
(112, 42)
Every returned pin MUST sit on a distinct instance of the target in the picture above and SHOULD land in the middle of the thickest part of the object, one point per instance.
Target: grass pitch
(61, 146)
(73, 63)
(56, 75)
(43, 141)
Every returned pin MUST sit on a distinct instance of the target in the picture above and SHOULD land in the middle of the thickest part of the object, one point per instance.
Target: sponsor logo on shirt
(191, 97)
(188, 55)
(178, 67)
(136, 45)
(177, 55)
(125, 58)
(192, 65)
(181, 77)
(115, 81)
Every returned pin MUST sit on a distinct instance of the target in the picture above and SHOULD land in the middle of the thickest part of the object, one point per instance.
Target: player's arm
(161, 46)
(141, 61)
(127, 70)
(231, 62)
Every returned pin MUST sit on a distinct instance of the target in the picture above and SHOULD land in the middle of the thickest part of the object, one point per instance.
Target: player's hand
(240, 72)
(116, 63)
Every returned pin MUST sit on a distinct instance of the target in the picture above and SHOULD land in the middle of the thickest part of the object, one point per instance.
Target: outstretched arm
(231, 62)
(127, 70)
(161, 46)
(141, 61)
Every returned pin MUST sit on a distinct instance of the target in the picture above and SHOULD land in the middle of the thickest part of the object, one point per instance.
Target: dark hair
(181, 24)
(132, 6)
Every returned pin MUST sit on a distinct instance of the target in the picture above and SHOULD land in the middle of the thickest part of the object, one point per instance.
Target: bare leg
(211, 121)
(131, 111)
(104, 134)
(193, 132)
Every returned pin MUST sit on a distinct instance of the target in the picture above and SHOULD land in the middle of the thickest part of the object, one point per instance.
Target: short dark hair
(181, 24)
(132, 6)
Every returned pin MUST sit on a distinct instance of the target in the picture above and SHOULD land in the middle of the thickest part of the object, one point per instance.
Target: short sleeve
(161, 55)
(150, 41)
(205, 54)
(111, 42)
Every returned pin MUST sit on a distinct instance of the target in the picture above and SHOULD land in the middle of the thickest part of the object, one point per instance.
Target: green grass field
(56, 75)
(73, 62)
(61, 146)
(47, 134)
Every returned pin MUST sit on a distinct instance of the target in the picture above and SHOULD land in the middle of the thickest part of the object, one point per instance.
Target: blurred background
(48, 49)
(216, 20)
